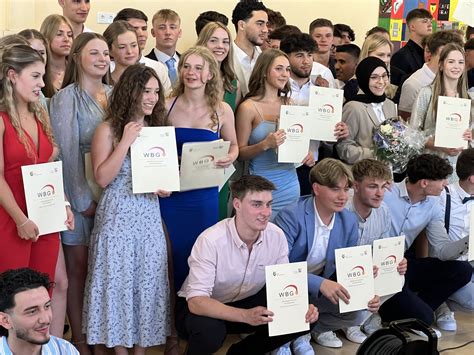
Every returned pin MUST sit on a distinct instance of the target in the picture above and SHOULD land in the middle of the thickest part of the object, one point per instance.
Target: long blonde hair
(372, 43)
(214, 89)
(17, 58)
(227, 66)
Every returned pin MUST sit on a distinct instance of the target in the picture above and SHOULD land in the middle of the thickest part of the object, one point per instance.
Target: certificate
(387, 254)
(155, 160)
(354, 270)
(327, 105)
(89, 172)
(452, 119)
(287, 297)
(295, 121)
(471, 237)
(198, 169)
(44, 194)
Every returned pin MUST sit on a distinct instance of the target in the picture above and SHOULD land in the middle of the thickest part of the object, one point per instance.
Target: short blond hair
(328, 172)
(371, 168)
(165, 14)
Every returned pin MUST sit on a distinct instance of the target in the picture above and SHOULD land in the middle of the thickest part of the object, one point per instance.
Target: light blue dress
(283, 175)
(126, 299)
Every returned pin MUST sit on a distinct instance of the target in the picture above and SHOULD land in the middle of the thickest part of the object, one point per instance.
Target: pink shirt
(221, 266)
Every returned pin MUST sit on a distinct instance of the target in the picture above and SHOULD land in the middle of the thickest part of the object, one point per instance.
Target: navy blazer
(152, 55)
(297, 220)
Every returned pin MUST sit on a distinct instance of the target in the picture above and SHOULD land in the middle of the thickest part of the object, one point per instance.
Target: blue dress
(283, 175)
(126, 299)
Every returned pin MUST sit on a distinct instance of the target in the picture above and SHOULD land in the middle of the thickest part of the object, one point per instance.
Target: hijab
(363, 72)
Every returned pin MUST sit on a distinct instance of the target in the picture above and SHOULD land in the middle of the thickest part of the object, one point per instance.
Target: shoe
(424, 336)
(372, 324)
(445, 318)
(328, 339)
(282, 350)
(302, 345)
(354, 334)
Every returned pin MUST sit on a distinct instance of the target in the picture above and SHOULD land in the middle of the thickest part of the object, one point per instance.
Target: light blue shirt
(55, 346)
(411, 219)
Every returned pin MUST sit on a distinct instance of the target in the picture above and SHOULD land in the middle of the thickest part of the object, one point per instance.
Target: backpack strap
(447, 210)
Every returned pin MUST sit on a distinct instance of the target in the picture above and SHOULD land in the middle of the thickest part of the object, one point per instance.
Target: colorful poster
(396, 30)
(443, 10)
(397, 9)
(433, 8)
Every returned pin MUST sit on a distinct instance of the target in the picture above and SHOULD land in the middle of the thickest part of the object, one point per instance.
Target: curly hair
(213, 91)
(127, 96)
(227, 65)
(429, 167)
(17, 58)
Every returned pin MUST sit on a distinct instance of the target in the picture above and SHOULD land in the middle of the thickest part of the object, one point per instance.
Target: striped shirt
(55, 346)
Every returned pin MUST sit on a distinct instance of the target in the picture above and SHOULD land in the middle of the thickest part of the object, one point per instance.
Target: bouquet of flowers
(396, 143)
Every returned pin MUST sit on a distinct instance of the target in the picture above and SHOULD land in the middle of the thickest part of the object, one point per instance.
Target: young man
(25, 315)
(410, 58)
(225, 289)
(76, 11)
(277, 35)
(209, 16)
(347, 33)
(469, 49)
(424, 76)
(275, 20)
(322, 31)
(315, 226)
(414, 206)
(457, 207)
(138, 20)
(250, 20)
(166, 30)
(347, 58)
(300, 49)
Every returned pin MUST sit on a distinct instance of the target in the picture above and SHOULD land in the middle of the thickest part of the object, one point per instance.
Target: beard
(24, 335)
(300, 73)
(255, 40)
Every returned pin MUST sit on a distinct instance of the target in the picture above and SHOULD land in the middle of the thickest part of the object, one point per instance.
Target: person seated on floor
(414, 207)
(25, 315)
(315, 226)
(225, 291)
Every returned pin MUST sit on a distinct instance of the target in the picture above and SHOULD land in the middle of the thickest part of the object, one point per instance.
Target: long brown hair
(127, 96)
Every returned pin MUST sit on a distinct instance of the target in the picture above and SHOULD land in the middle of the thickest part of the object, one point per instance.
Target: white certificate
(471, 237)
(452, 119)
(295, 121)
(354, 270)
(44, 194)
(155, 160)
(287, 297)
(388, 253)
(198, 169)
(327, 103)
(89, 172)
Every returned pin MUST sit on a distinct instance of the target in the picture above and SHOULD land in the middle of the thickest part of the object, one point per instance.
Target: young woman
(76, 111)
(449, 81)
(57, 30)
(123, 45)
(367, 111)
(197, 111)
(25, 139)
(256, 122)
(127, 290)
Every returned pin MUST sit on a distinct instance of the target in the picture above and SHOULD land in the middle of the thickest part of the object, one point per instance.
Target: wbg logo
(389, 261)
(204, 160)
(454, 117)
(296, 128)
(155, 152)
(326, 108)
(356, 271)
(289, 291)
(46, 191)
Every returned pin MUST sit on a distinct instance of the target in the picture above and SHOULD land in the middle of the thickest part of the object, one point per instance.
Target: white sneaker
(302, 345)
(354, 334)
(372, 324)
(282, 350)
(423, 335)
(328, 339)
(445, 318)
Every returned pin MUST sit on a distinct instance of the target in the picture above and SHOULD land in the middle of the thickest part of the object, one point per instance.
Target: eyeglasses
(376, 77)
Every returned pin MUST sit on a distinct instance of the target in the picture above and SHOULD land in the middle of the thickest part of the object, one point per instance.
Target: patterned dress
(126, 299)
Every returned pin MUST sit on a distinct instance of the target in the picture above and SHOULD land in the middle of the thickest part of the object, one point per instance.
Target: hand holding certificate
(295, 121)
(388, 253)
(327, 104)
(354, 270)
(44, 194)
(452, 120)
(155, 160)
(287, 297)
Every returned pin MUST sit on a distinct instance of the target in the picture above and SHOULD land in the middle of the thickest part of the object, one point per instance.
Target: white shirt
(324, 72)
(411, 87)
(243, 66)
(163, 57)
(317, 254)
(378, 109)
(460, 213)
(339, 84)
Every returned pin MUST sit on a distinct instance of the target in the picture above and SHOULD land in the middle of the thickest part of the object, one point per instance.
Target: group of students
(134, 270)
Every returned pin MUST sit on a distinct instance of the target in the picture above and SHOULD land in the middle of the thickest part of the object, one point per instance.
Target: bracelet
(23, 224)
(67, 204)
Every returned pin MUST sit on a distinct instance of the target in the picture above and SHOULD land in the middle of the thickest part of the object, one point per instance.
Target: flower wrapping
(396, 143)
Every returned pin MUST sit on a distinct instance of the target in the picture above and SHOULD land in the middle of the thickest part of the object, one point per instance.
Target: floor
(464, 334)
